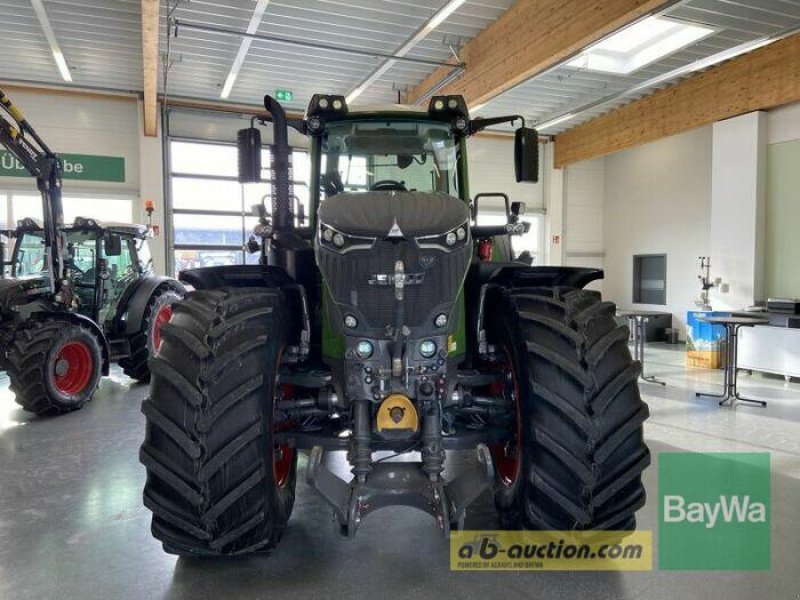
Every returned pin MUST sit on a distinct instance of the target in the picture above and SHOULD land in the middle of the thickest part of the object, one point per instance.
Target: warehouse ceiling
(564, 89)
(102, 45)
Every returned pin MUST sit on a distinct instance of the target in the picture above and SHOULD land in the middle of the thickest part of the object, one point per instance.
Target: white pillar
(738, 189)
(151, 187)
(553, 180)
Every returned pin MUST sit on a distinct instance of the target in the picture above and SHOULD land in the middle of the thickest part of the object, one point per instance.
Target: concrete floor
(72, 524)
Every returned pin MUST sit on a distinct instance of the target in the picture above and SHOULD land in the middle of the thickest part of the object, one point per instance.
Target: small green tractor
(73, 299)
(391, 322)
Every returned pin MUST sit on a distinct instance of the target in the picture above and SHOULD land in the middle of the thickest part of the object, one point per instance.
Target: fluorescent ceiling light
(228, 86)
(244, 48)
(388, 64)
(556, 121)
(437, 19)
(58, 56)
(639, 45)
(442, 14)
(61, 63)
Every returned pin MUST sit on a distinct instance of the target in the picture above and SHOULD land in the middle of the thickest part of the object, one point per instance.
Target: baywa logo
(729, 508)
(714, 511)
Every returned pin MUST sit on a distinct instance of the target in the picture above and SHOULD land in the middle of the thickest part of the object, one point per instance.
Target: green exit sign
(284, 95)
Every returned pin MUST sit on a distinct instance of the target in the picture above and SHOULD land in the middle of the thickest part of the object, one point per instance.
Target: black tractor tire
(145, 342)
(217, 484)
(54, 366)
(580, 450)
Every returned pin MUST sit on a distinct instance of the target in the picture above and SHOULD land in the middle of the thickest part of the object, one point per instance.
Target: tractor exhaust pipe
(248, 143)
(281, 154)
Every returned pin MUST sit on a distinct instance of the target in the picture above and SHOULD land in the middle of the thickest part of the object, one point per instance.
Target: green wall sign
(284, 95)
(85, 167)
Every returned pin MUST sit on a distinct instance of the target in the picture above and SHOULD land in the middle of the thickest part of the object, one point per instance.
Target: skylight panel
(639, 45)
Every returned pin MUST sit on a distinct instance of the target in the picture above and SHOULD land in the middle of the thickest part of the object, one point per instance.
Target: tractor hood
(376, 214)
(14, 292)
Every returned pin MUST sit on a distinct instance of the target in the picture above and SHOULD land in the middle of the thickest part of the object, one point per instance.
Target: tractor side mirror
(248, 146)
(526, 155)
(495, 208)
(113, 245)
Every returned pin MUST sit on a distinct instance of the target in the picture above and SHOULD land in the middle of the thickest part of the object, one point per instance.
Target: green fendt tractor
(392, 322)
(72, 299)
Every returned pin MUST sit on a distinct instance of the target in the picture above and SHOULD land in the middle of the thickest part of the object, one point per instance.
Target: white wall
(152, 188)
(83, 125)
(658, 200)
(584, 200)
(553, 188)
(783, 124)
(738, 189)
(220, 127)
(491, 169)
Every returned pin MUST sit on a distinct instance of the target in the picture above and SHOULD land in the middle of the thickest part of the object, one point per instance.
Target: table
(732, 324)
(637, 320)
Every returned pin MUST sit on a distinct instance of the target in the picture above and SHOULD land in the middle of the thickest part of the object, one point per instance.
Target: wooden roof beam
(763, 79)
(150, 18)
(530, 37)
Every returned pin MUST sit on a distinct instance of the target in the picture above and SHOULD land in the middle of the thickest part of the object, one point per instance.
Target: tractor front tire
(54, 366)
(146, 342)
(579, 452)
(217, 483)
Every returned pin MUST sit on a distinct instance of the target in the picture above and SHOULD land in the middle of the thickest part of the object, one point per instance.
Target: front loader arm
(25, 145)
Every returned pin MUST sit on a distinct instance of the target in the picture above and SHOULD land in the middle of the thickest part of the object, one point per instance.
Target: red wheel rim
(283, 457)
(73, 368)
(506, 457)
(162, 316)
(282, 452)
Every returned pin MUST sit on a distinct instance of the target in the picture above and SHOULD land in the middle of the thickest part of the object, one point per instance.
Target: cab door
(121, 270)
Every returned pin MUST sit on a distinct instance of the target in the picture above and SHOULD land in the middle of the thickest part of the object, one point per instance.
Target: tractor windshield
(30, 255)
(403, 155)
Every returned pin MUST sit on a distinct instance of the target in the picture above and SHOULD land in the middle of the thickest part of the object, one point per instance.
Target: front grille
(348, 275)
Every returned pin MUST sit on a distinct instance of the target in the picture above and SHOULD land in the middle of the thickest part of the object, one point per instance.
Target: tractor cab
(102, 259)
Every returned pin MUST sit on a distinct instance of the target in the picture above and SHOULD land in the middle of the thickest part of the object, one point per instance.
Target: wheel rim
(73, 368)
(283, 457)
(282, 452)
(506, 455)
(162, 316)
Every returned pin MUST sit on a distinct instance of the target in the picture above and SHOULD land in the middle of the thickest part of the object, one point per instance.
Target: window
(19, 205)
(5, 242)
(211, 211)
(122, 272)
(5, 223)
(26, 204)
(144, 257)
(639, 45)
(404, 154)
(30, 259)
(493, 212)
(650, 279)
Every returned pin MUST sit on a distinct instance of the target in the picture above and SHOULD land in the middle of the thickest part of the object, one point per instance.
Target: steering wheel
(388, 184)
(73, 267)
